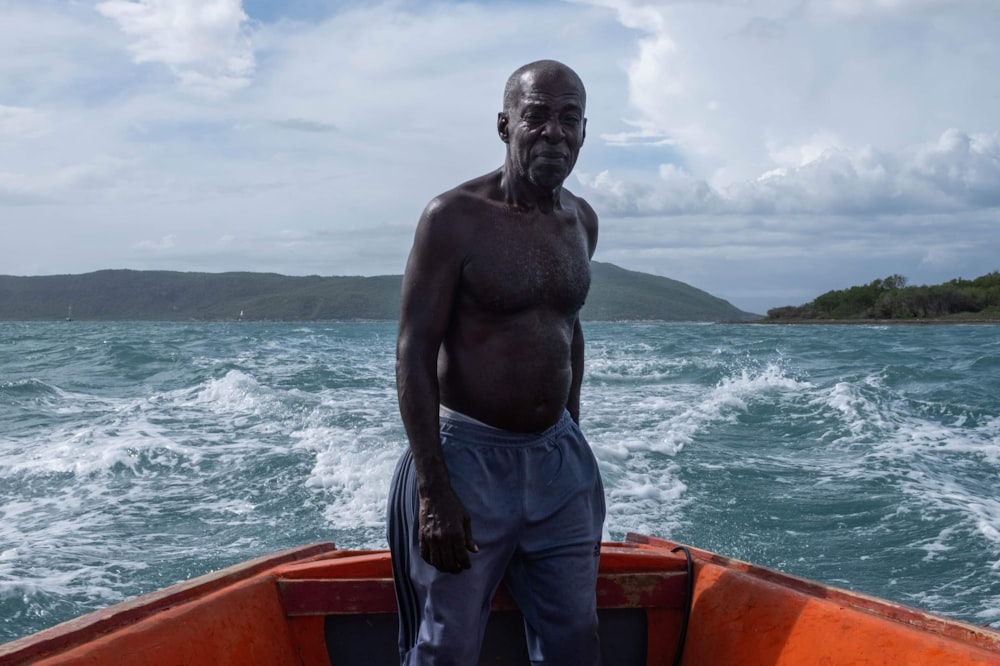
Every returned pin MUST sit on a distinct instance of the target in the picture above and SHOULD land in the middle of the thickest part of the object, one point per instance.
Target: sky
(765, 151)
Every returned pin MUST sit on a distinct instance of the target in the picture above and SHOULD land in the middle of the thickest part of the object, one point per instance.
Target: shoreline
(871, 322)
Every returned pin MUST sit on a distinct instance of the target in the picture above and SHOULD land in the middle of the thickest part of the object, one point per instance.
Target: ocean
(135, 455)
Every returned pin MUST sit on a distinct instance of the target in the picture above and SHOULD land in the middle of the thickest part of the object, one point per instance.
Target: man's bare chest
(523, 263)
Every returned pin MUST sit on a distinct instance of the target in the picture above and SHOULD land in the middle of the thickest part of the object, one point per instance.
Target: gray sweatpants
(537, 507)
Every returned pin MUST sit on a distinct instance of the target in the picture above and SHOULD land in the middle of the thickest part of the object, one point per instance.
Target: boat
(659, 603)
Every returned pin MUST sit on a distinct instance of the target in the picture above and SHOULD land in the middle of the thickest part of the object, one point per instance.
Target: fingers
(448, 555)
(447, 558)
(445, 535)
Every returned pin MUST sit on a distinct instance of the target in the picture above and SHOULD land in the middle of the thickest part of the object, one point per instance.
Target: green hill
(110, 295)
(617, 294)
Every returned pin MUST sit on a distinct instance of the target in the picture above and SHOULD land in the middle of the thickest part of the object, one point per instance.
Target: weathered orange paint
(343, 564)
(662, 635)
(740, 619)
(193, 623)
(743, 614)
(242, 624)
(307, 633)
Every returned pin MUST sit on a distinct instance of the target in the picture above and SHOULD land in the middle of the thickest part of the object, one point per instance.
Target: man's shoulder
(447, 216)
(476, 192)
(578, 203)
(582, 210)
(583, 213)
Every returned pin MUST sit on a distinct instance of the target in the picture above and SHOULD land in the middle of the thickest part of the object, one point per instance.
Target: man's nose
(553, 131)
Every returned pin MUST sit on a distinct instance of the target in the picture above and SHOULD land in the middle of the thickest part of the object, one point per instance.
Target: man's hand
(445, 532)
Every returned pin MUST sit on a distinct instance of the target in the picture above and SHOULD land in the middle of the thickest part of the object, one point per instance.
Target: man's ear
(503, 129)
(583, 136)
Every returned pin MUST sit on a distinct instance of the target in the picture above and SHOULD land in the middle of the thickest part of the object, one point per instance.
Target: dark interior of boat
(370, 639)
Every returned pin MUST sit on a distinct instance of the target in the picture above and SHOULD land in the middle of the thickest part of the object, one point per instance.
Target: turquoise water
(135, 455)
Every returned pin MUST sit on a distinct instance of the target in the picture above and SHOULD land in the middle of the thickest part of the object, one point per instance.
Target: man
(498, 482)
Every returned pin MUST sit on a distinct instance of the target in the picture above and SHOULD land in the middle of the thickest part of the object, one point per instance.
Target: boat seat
(638, 611)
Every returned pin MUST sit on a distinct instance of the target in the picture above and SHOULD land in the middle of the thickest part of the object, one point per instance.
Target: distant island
(891, 300)
(616, 294)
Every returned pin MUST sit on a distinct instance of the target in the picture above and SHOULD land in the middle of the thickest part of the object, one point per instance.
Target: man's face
(545, 127)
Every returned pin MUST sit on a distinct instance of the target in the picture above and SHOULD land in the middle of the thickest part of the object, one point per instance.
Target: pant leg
(553, 575)
(556, 594)
(443, 616)
(400, 532)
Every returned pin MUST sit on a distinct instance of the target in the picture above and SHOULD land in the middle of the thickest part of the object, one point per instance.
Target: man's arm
(588, 218)
(576, 360)
(429, 284)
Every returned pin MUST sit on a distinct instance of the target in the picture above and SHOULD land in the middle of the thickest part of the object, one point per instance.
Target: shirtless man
(498, 482)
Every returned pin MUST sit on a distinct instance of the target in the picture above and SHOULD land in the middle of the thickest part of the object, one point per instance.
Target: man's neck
(522, 194)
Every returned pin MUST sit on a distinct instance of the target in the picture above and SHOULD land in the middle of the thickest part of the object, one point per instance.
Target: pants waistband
(473, 432)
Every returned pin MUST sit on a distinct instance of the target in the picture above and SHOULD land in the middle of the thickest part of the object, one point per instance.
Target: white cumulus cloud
(957, 172)
(205, 43)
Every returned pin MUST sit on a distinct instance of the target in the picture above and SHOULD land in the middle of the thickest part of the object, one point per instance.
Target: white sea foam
(725, 402)
(356, 441)
(840, 452)
(352, 475)
(116, 439)
(59, 556)
(857, 413)
(234, 392)
(636, 441)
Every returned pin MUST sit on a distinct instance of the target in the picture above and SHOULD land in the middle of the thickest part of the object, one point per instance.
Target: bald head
(535, 73)
(542, 123)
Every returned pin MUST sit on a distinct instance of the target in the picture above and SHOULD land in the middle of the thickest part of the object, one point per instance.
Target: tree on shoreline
(891, 298)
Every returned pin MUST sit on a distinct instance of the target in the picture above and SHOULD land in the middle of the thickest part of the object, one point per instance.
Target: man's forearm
(419, 403)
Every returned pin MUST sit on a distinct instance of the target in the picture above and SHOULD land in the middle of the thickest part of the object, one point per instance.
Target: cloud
(168, 242)
(80, 182)
(723, 83)
(958, 172)
(964, 168)
(205, 43)
(303, 125)
(22, 122)
(856, 8)
(766, 147)
(676, 192)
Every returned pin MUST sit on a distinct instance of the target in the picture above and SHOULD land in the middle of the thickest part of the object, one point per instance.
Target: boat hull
(320, 606)
(746, 614)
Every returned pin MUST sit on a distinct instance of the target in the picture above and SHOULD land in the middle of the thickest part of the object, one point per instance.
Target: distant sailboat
(69, 313)
(241, 316)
